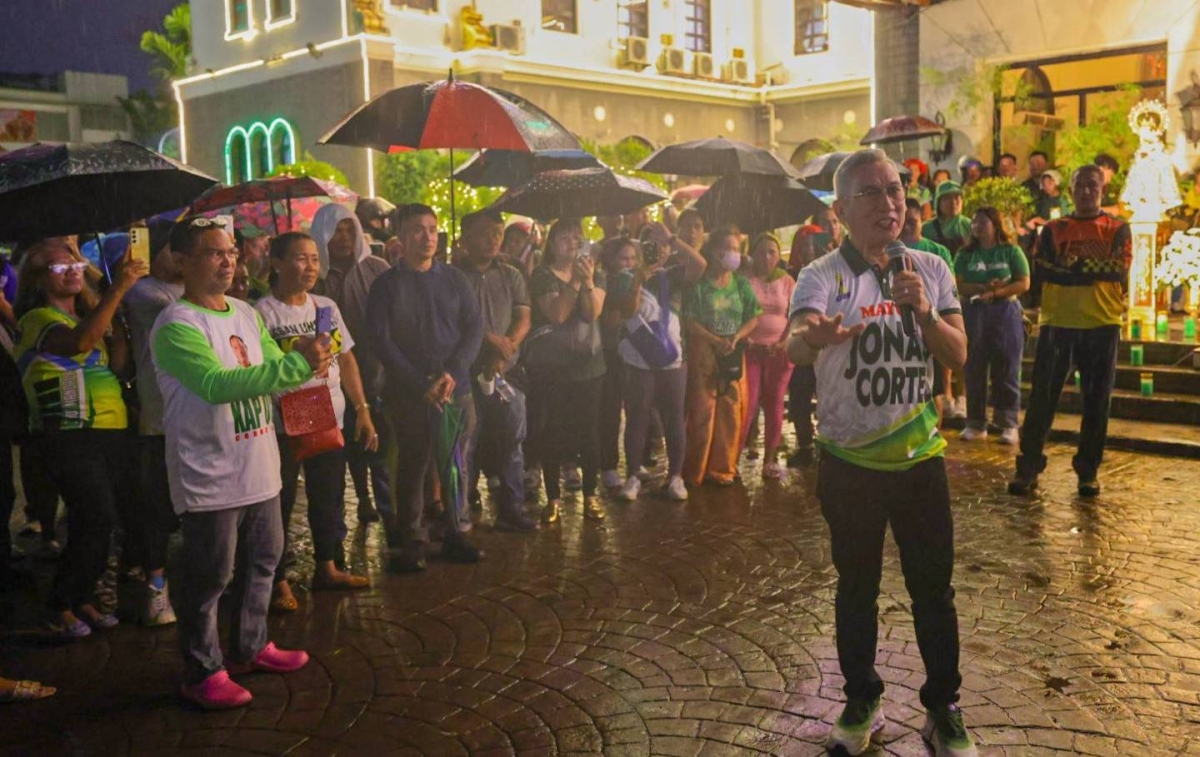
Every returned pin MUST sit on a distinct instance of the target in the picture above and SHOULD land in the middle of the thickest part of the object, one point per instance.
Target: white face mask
(732, 260)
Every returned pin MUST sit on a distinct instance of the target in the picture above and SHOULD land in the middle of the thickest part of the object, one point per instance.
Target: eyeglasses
(204, 223)
(58, 269)
(892, 191)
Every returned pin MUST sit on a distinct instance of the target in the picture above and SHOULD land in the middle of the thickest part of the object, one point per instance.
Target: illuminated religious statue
(474, 33)
(1151, 189)
(371, 14)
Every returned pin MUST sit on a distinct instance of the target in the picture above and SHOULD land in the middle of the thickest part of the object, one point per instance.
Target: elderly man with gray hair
(872, 317)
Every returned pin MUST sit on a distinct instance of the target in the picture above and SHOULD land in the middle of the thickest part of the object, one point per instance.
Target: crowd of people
(190, 393)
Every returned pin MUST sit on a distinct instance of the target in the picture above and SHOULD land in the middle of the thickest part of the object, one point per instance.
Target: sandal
(284, 604)
(27, 691)
(346, 582)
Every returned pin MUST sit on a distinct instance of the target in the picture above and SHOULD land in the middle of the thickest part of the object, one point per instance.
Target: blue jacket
(423, 324)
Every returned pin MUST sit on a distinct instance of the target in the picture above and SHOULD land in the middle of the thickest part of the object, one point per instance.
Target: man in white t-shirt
(217, 368)
(881, 457)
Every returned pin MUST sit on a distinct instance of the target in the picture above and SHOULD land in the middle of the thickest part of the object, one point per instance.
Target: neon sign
(266, 140)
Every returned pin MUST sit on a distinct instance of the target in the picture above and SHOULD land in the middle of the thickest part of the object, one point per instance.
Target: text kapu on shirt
(888, 384)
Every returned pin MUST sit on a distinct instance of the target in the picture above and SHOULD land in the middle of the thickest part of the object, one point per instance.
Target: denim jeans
(995, 343)
(859, 504)
(249, 538)
(1094, 353)
(645, 392)
(495, 446)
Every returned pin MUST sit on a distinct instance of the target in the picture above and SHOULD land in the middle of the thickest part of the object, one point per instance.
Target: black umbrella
(818, 172)
(76, 188)
(715, 157)
(757, 203)
(508, 168)
(578, 193)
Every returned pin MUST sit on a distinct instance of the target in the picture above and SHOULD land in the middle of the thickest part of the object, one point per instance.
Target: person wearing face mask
(719, 312)
(347, 270)
(768, 370)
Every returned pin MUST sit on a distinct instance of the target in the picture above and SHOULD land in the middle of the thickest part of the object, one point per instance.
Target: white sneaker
(773, 470)
(958, 408)
(158, 610)
(611, 479)
(646, 474)
(632, 488)
(677, 490)
(972, 434)
(1010, 436)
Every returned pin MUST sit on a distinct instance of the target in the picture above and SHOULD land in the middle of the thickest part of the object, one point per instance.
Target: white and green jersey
(875, 392)
(217, 371)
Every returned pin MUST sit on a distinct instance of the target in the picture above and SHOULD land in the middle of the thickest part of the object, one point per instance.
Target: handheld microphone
(896, 252)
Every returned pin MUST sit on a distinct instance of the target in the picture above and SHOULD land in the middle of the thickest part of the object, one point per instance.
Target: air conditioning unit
(1043, 120)
(635, 52)
(509, 37)
(737, 70)
(774, 75)
(703, 66)
(671, 61)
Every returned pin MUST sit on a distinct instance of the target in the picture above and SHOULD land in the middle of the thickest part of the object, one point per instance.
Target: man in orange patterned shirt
(1083, 261)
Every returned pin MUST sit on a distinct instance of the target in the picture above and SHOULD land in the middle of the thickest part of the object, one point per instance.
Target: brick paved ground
(697, 629)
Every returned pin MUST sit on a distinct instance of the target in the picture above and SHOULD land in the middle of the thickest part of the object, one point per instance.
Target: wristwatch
(934, 317)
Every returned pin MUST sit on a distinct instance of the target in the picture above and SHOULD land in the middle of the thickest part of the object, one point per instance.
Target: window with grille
(280, 12)
(697, 28)
(812, 26)
(633, 18)
(417, 5)
(237, 16)
(559, 16)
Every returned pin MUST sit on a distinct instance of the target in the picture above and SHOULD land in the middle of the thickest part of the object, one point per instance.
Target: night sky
(48, 36)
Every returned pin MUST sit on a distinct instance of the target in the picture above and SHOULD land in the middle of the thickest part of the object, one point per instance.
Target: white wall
(316, 21)
(849, 55)
(959, 34)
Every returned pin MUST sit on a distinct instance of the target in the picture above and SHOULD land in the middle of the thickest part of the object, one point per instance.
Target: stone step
(1170, 439)
(1161, 407)
(1155, 353)
(1168, 379)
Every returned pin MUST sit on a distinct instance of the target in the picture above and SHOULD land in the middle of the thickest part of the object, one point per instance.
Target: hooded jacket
(350, 288)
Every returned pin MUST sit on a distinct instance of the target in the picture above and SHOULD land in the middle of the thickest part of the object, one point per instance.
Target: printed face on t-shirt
(239, 349)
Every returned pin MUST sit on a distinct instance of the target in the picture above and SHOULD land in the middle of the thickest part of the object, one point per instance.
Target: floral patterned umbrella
(578, 193)
(267, 207)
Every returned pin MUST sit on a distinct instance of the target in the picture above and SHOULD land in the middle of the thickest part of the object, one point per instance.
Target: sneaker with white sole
(610, 479)
(632, 488)
(158, 610)
(646, 474)
(970, 434)
(1010, 436)
(946, 733)
(859, 721)
(958, 408)
(677, 490)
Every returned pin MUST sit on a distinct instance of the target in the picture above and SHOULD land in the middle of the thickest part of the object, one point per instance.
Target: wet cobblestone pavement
(697, 629)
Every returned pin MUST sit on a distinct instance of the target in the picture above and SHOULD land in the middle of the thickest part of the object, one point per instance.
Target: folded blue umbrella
(114, 248)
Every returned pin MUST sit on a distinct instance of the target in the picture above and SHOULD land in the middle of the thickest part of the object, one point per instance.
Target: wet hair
(719, 235)
(1104, 160)
(470, 219)
(30, 294)
(993, 215)
(282, 244)
(412, 210)
(850, 166)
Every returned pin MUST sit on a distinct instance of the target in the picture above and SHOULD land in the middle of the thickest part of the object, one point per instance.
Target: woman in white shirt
(289, 312)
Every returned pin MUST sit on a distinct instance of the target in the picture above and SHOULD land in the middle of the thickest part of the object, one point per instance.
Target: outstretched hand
(823, 331)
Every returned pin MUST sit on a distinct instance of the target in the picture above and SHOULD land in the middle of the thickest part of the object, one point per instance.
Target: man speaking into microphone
(881, 456)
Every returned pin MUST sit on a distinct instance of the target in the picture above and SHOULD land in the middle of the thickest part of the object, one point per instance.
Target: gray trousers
(249, 538)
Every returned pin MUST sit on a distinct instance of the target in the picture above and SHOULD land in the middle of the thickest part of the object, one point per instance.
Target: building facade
(272, 76)
(73, 106)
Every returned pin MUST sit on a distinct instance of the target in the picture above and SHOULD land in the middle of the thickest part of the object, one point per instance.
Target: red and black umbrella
(902, 129)
(450, 114)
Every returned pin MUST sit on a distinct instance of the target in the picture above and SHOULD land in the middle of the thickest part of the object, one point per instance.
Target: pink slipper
(273, 660)
(216, 692)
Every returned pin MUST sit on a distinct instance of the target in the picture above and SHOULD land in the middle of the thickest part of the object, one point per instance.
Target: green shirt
(66, 393)
(951, 232)
(722, 310)
(928, 245)
(979, 266)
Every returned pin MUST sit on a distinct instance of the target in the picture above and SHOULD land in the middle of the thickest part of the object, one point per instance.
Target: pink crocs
(216, 692)
(272, 659)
